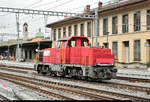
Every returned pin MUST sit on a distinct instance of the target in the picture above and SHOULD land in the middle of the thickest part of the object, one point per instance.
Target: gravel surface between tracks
(129, 92)
(22, 93)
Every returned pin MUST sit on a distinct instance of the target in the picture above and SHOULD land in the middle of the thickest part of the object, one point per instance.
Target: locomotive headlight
(36, 50)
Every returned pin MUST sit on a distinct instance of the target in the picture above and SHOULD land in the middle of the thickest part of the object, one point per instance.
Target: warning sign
(47, 53)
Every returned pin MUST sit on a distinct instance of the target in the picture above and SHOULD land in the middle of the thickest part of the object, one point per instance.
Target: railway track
(37, 89)
(133, 79)
(130, 79)
(16, 67)
(13, 70)
(110, 84)
(2, 98)
(14, 78)
(83, 88)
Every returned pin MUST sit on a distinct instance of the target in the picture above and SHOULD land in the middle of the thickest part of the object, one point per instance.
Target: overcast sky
(8, 20)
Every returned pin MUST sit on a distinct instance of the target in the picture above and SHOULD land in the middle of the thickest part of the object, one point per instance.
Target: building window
(82, 29)
(137, 50)
(75, 30)
(115, 25)
(89, 29)
(59, 33)
(54, 34)
(64, 31)
(148, 19)
(125, 23)
(137, 21)
(105, 26)
(115, 48)
(69, 31)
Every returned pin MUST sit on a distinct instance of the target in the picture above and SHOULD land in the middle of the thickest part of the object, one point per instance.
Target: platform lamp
(21, 43)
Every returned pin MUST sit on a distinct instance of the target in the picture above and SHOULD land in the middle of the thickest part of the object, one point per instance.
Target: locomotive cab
(73, 42)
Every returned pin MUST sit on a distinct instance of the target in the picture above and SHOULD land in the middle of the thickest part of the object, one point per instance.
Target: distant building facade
(27, 47)
(124, 27)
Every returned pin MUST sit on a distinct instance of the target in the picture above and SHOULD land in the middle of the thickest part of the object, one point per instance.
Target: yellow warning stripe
(89, 60)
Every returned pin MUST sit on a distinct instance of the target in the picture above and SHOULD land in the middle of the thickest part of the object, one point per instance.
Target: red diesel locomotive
(73, 57)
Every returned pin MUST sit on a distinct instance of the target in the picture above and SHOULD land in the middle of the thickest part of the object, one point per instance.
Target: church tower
(25, 31)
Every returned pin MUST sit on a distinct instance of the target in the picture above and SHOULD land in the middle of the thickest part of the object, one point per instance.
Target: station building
(27, 46)
(124, 27)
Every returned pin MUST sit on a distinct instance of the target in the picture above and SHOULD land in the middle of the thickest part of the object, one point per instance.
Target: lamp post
(17, 23)
(107, 40)
(8, 51)
(38, 45)
(21, 42)
(96, 27)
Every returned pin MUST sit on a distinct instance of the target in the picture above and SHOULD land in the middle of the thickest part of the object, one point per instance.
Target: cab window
(65, 44)
(84, 43)
(58, 44)
(72, 43)
(61, 44)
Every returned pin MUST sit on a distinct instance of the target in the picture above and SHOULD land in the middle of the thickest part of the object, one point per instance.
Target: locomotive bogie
(82, 72)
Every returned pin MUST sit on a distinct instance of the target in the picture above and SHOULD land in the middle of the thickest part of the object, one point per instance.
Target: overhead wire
(52, 8)
(58, 6)
(69, 10)
(25, 7)
(14, 27)
(45, 3)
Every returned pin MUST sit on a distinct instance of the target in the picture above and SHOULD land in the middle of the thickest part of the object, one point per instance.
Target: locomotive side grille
(40, 56)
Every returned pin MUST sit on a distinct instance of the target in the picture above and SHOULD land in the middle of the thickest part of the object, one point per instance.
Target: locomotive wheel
(53, 74)
(80, 74)
(43, 73)
(45, 69)
(39, 69)
(89, 79)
